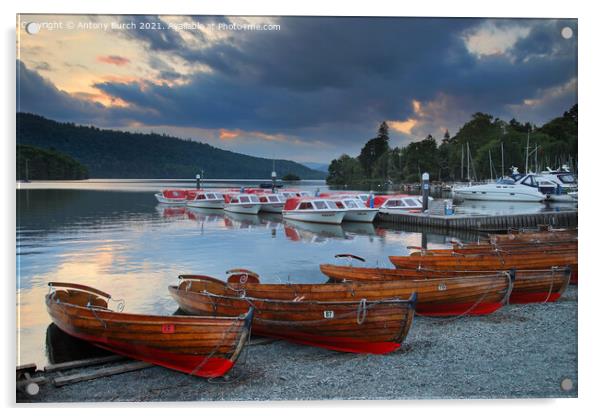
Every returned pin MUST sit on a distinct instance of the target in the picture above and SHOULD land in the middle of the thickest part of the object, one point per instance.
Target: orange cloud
(113, 60)
(228, 134)
(403, 126)
(225, 134)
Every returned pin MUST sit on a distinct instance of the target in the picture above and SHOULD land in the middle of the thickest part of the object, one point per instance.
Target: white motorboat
(172, 196)
(273, 203)
(519, 188)
(566, 184)
(205, 199)
(242, 203)
(398, 202)
(356, 210)
(312, 209)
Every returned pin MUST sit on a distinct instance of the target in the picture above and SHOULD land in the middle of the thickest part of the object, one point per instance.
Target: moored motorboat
(518, 188)
(397, 202)
(200, 346)
(172, 196)
(241, 203)
(273, 203)
(205, 199)
(344, 324)
(355, 209)
(565, 181)
(313, 209)
(529, 286)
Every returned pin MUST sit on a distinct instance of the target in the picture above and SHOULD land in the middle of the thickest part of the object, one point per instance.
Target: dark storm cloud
(37, 95)
(328, 77)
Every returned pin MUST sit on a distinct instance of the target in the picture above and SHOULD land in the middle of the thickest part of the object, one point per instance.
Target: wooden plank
(103, 372)
(69, 365)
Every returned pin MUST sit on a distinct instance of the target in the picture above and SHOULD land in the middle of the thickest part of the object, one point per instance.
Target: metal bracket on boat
(511, 274)
(120, 304)
(352, 256)
(361, 311)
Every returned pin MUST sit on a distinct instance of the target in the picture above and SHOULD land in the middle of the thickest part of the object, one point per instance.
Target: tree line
(121, 154)
(39, 164)
(475, 151)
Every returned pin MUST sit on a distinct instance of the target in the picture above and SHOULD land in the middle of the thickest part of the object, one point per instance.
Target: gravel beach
(520, 351)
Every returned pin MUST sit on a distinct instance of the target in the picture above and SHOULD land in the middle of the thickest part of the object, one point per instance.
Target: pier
(481, 222)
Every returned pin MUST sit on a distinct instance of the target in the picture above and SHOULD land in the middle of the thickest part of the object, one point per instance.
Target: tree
(345, 170)
(374, 149)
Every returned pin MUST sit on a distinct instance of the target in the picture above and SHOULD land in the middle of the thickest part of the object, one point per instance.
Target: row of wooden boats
(360, 310)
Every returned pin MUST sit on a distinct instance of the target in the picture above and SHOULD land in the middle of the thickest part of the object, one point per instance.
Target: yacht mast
(462, 165)
(490, 166)
(527, 153)
(502, 143)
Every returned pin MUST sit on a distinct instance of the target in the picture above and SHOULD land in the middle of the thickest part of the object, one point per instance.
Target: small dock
(481, 222)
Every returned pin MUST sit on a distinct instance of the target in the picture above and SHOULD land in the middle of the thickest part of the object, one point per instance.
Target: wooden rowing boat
(534, 236)
(539, 249)
(200, 346)
(529, 285)
(490, 261)
(436, 297)
(347, 324)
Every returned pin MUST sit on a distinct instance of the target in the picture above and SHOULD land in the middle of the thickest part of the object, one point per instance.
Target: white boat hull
(360, 215)
(561, 198)
(273, 208)
(206, 204)
(510, 193)
(326, 217)
(243, 208)
(170, 201)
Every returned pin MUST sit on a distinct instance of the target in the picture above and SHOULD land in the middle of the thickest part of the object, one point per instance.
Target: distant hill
(322, 167)
(120, 154)
(39, 164)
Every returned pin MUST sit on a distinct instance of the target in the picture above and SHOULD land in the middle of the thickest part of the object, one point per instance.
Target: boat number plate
(168, 328)
(442, 287)
(328, 314)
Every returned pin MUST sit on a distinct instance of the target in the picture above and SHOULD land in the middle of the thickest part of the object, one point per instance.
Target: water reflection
(125, 244)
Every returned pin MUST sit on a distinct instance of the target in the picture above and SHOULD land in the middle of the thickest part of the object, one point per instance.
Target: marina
(159, 241)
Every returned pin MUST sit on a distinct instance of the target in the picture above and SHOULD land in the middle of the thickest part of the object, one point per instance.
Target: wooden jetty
(481, 222)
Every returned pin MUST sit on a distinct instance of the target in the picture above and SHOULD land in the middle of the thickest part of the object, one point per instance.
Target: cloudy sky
(301, 88)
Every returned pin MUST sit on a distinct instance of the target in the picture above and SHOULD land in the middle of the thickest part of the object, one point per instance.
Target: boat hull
(206, 204)
(328, 217)
(360, 215)
(252, 209)
(272, 208)
(170, 201)
(515, 194)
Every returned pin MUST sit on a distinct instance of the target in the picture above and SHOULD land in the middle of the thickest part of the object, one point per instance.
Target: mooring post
(198, 181)
(425, 191)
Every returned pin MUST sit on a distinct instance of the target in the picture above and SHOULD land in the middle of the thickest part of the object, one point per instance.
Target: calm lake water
(113, 235)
